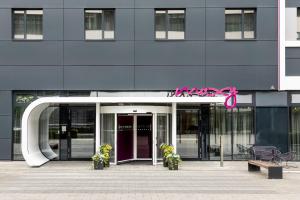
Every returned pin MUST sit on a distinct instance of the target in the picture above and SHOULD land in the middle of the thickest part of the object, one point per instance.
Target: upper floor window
(99, 24)
(28, 24)
(169, 24)
(298, 23)
(240, 23)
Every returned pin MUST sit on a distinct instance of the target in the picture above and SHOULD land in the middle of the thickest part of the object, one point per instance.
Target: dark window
(99, 24)
(169, 24)
(28, 24)
(240, 23)
(298, 23)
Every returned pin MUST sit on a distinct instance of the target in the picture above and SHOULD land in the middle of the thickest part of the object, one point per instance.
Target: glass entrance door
(144, 137)
(125, 131)
(77, 132)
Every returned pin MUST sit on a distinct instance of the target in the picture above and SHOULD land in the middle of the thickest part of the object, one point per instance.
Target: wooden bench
(274, 170)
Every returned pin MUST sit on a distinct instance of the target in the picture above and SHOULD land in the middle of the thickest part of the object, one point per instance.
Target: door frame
(138, 110)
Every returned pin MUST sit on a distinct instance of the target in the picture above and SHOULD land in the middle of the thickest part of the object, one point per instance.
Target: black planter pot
(165, 162)
(173, 165)
(98, 165)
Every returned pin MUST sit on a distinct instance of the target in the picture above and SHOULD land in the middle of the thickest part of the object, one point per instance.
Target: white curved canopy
(32, 150)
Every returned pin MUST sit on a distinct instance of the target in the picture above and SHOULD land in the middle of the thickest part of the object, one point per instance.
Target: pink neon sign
(229, 92)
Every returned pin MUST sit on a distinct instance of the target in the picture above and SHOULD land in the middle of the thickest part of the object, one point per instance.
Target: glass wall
(20, 102)
(187, 132)
(272, 127)
(108, 132)
(162, 132)
(236, 128)
(294, 134)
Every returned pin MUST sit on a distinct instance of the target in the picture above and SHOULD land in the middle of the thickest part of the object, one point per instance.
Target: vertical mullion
(101, 25)
(242, 24)
(167, 24)
(25, 24)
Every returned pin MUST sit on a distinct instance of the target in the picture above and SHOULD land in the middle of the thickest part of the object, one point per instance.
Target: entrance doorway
(134, 137)
(77, 132)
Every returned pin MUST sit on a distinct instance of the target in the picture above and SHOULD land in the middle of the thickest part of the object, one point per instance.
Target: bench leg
(275, 173)
(253, 168)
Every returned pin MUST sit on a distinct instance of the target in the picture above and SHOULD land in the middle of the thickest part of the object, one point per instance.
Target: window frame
(168, 25)
(25, 23)
(243, 23)
(102, 22)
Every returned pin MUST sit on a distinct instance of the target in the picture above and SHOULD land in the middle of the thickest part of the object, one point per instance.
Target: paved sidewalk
(195, 180)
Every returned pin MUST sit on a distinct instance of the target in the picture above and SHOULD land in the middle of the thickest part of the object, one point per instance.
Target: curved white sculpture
(30, 121)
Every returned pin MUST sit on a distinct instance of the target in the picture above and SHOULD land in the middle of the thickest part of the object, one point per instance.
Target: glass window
(99, 24)
(187, 132)
(298, 23)
(169, 24)
(294, 135)
(243, 134)
(28, 24)
(240, 23)
(108, 132)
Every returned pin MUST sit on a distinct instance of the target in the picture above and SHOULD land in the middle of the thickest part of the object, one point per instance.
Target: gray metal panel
(144, 24)
(168, 77)
(241, 3)
(53, 24)
(6, 126)
(98, 53)
(242, 77)
(31, 3)
(241, 53)
(5, 24)
(5, 102)
(292, 3)
(292, 53)
(74, 24)
(267, 29)
(195, 20)
(31, 78)
(98, 4)
(5, 149)
(30, 53)
(169, 53)
(98, 77)
(215, 23)
(271, 99)
(169, 4)
(292, 67)
(124, 24)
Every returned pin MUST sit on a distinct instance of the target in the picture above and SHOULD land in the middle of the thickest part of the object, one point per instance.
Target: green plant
(98, 157)
(168, 150)
(173, 161)
(105, 150)
(162, 146)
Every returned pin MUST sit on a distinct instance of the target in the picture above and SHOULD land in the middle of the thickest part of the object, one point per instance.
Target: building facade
(147, 49)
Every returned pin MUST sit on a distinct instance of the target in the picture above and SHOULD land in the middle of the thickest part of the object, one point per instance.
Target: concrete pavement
(195, 180)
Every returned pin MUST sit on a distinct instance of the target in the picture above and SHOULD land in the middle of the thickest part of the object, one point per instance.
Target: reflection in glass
(82, 131)
(93, 29)
(19, 26)
(233, 24)
(34, 24)
(243, 134)
(220, 125)
(160, 24)
(294, 135)
(249, 24)
(108, 132)
(187, 133)
(162, 132)
(176, 24)
(109, 24)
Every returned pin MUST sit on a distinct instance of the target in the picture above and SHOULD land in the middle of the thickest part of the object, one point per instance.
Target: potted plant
(105, 150)
(98, 161)
(173, 161)
(168, 149)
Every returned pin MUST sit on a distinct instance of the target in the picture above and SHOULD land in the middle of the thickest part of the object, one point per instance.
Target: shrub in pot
(173, 161)
(98, 161)
(167, 150)
(105, 150)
